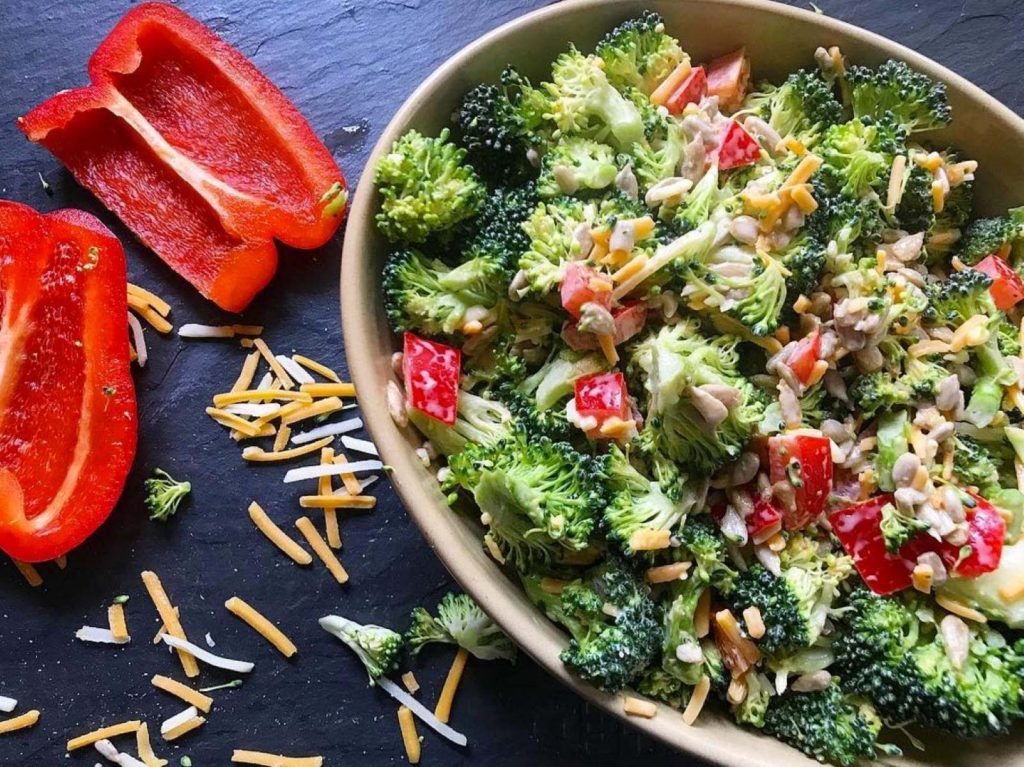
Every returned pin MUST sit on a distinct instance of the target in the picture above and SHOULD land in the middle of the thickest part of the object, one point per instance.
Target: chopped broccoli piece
(492, 130)
(804, 257)
(164, 495)
(973, 464)
(880, 390)
(575, 165)
(660, 158)
(914, 100)
(425, 187)
(858, 156)
(536, 497)
(706, 544)
(638, 504)
(460, 621)
(803, 106)
(497, 230)
(898, 527)
(796, 604)
(659, 684)
(887, 653)
(827, 725)
(551, 229)
(535, 422)
(959, 297)
(680, 633)
(478, 420)
(377, 647)
(700, 202)
(615, 625)
(639, 54)
(893, 441)
(672, 363)
(754, 706)
(993, 374)
(985, 236)
(428, 296)
(916, 209)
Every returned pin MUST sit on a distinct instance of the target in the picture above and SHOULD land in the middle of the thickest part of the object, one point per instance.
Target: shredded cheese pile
(151, 308)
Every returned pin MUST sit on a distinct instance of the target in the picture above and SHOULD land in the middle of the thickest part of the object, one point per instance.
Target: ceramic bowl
(779, 39)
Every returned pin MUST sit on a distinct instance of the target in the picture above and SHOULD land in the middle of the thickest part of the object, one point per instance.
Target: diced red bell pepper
(691, 91)
(728, 76)
(804, 355)
(805, 462)
(1007, 288)
(629, 320)
(602, 396)
(737, 148)
(67, 401)
(859, 530)
(203, 158)
(580, 286)
(765, 520)
(431, 373)
(986, 529)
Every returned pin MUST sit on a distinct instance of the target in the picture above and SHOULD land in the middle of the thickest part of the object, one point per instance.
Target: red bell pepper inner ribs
(67, 401)
(196, 151)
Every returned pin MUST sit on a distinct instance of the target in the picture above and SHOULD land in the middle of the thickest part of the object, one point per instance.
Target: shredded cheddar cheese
(248, 372)
(233, 421)
(351, 483)
(262, 759)
(258, 454)
(21, 722)
(607, 344)
(443, 710)
(29, 573)
(183, 729)
(149, 299)
(667, 86)
(277, 536)
(697, 700)
(260, 395)
(409, 680)
(337, 501)
(103, 733)
(410, 739)
(326, 487)
(677, 571)
(117, 622)
(639, 707)
(262, 626)
(339, 389)
(145, 748)
(650, 540)
(170, 618)
(283, 435)
(152, 318)
(319, 545)
(316, 367)
(183, 692)
(321, 407)
(279, 371)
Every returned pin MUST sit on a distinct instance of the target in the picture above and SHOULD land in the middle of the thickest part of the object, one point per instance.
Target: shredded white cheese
(108, 751)
(192, 330)
(138, 339)
(257, 409)
(331, 470)
(240, 666)
(7, 705)
(360, 445)
(178, 719)
(327, 430)
(98, 635)
(421, 712)
(294, 369)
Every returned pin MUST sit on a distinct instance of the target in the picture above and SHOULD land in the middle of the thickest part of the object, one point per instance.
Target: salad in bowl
(731, 375)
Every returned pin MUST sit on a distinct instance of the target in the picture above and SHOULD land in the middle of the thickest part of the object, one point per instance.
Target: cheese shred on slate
(207, 657)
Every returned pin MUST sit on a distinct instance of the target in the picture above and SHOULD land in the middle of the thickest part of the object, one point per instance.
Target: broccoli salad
(731, 375)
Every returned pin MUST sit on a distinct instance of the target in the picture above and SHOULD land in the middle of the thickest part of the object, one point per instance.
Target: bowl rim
(356, 310)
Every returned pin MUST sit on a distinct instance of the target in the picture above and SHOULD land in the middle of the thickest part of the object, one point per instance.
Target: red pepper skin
(859, 530)
(804, 355)
(603, 396)
(690, 91)
(765, 520)
(986, 529)
(809, 459)
(576, 291)
(62, 317)
(629, 320)
(728, 76)
(431, 373)
(1007, 288)
(737, 148)
(204, 159)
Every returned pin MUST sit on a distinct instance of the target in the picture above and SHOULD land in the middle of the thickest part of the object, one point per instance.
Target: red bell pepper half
(805, 462)
(1007, 288)
(67, 401)
(431, 373)
(203, 158)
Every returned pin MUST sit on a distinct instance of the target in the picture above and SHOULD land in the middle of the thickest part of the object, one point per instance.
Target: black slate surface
(348, 64)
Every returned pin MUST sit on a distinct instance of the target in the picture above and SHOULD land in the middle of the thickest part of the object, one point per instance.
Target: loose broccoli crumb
(164, 495)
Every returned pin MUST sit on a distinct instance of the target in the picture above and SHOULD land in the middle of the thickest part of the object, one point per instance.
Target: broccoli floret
(888, 653)
(575, 165)
(615, 625)
(425, 187)
(659, 684)
(914, 100)
(660, 158)
(1007, 337)
(638, 504)
(858, 156)
(534, 421)
(880, 390)
(536, 497)
(795, 604)
(478, 420)
(986, 236)
(493, 365)
(804, 258)
(377, 647)
(492, 130)
(672, 364)
(700, 202)
(497, 230)
(754, 706)
(638, 53)
(898, 527)
(893, 429)
(827, 725)
(762, 296)
(428, 296)
(706, 544)
(959, 297)
(551, 229)
(916, 209)
(993, 374)
(680, 635)
(164, 495)
(803, 106)
(584, 103)
(460, 621)
(973, 464)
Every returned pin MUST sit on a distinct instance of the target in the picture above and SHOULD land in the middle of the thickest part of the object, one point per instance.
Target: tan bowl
(779, 40)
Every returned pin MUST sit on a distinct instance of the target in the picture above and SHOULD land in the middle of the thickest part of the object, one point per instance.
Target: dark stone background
(348, 64)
